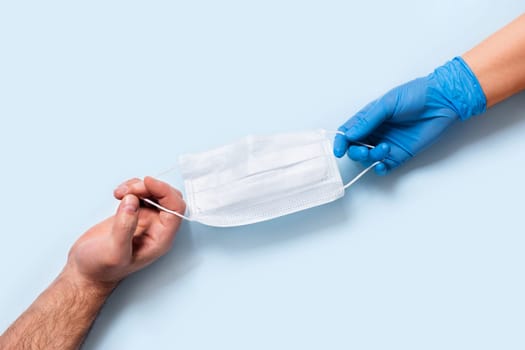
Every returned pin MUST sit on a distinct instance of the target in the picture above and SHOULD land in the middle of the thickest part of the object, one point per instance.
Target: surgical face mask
(259, 178)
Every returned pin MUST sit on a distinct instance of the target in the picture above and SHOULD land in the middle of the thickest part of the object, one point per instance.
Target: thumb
(126, 219)
(368, 119)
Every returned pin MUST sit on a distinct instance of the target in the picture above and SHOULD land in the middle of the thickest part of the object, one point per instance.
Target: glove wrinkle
(412, 116)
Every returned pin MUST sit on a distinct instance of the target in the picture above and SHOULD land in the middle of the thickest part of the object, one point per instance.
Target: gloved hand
(411, 116)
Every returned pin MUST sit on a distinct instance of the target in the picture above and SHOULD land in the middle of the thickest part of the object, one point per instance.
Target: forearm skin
(59, 318)
(499, 62)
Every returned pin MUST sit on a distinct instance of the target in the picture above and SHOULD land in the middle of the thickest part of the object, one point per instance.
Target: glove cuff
(461, 88)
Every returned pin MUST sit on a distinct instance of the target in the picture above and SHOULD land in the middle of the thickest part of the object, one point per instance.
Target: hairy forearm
(499, 62)
(59, 318)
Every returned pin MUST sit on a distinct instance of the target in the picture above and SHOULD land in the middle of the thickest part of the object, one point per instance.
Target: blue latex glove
(411, 116)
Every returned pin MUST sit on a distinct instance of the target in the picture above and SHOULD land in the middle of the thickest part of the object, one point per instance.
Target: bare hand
(131, 239)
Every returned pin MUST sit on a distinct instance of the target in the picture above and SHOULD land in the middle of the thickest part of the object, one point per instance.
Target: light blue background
(93, 93)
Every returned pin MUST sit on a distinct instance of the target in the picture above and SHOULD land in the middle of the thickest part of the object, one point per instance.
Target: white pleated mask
(259, 178)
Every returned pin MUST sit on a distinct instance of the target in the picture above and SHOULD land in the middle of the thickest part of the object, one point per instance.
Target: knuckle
(127, 224)
(360, 120)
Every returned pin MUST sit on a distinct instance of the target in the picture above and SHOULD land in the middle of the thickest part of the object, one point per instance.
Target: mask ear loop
(342, 133)
(162, 208)
(362, 173)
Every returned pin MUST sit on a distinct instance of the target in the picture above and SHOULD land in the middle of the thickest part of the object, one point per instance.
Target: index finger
(157, 191)
(163, 193)
(138, 188)
(364, 122)
(166, 196)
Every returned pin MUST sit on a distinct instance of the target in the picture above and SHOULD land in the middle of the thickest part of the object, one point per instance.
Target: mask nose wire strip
(160, 207)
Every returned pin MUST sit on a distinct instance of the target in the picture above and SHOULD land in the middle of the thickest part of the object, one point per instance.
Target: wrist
(83, 284)
(460, 88)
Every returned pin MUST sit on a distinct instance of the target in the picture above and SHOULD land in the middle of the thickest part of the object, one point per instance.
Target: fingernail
(129, 205)
(121, 190)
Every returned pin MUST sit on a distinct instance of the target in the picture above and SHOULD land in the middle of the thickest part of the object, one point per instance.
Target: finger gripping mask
(259, 178)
